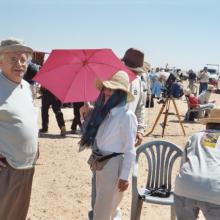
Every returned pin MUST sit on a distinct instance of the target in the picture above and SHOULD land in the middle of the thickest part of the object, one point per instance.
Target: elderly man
(18, 131)
(198, 182)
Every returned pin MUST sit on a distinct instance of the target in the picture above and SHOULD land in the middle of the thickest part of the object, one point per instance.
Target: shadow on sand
(58, 136)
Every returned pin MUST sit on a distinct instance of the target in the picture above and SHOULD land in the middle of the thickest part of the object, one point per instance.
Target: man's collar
(12, 82)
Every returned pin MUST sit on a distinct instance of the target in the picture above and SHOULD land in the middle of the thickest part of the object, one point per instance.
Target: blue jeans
(202, 87)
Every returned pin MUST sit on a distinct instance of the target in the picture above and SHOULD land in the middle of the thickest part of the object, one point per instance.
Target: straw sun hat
(214, 117)
(119, 80)
(13, 45)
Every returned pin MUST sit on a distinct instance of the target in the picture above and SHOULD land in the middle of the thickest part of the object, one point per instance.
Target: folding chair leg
(173, 213)
(136, 207)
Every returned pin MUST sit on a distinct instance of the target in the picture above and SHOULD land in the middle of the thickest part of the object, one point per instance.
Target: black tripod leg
(178, 116)
(166, 116)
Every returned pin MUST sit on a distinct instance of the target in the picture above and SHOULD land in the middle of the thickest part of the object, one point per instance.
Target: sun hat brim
(114, 86)
(16, 48)
(143, 69)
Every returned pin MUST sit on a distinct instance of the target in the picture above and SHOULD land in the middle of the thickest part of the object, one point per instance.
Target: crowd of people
(113, 145)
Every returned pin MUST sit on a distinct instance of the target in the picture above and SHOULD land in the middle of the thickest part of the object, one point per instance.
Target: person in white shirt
(112, 128)
(18, 131)
(203, 77)
(204, 96)
(134, 60)
(197, 185)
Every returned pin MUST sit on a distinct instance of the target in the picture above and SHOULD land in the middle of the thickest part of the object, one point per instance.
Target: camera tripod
(166, 106)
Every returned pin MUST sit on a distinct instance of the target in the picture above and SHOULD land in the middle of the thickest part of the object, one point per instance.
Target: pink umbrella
(71, 74)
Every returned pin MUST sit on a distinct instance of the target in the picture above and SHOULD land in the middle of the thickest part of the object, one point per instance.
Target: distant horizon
(184, 34)
(211, 66)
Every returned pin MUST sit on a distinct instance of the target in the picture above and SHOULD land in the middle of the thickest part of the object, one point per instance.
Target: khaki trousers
(188, 209)
(108, 196)
(15, 193)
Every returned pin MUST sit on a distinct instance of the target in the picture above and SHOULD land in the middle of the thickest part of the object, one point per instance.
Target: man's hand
(122, 185)
(2, 165)
(139, 139)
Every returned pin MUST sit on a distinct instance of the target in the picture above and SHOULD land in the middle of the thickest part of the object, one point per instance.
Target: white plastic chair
(160, 156)
(200, 110)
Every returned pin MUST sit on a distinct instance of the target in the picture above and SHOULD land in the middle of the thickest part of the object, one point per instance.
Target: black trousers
(48, 100)
(76, 120)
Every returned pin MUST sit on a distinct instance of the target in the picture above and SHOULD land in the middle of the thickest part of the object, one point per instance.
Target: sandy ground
(61, 187)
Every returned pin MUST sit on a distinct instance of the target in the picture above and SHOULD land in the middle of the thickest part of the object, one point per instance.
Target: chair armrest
(134, 178)
(135, 170)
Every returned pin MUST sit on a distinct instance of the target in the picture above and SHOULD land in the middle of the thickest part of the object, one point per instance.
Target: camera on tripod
(172, 87)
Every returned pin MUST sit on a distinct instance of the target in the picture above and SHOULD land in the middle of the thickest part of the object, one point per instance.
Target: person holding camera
(197, 185)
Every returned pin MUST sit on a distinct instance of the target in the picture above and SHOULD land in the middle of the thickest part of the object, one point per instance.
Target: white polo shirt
(18, 124)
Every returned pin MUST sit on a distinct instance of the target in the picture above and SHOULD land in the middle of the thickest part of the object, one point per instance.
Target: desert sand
(61, 186)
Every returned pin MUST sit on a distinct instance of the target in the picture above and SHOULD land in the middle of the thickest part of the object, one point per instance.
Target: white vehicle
(213, 74)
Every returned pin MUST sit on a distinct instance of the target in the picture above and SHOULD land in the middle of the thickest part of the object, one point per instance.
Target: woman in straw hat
(197, 185)
(112, 129)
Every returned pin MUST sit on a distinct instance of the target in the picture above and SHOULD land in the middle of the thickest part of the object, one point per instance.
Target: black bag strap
(109, 156)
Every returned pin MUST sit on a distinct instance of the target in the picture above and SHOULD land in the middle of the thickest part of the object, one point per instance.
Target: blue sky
(184, 34)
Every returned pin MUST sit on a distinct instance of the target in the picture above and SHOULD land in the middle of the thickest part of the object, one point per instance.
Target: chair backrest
(161, 156)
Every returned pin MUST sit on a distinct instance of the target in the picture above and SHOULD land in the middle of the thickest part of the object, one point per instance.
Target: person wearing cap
(197, 185)
(105, 134)
(203, 77)
(18, 131)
